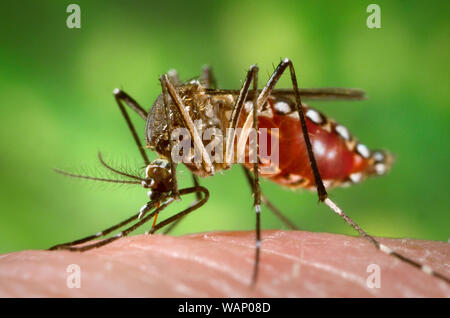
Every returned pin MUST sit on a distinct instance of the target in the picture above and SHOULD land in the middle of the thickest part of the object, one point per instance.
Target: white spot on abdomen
(319, 148)
(356, 177)
(363, 150)
(378, 156)
(380, 168)
(282, 107)
(343, 132)
(314, 116)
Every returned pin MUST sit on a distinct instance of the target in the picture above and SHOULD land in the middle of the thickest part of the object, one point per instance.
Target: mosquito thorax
(203, 110)
(157, 128)
(158, 177)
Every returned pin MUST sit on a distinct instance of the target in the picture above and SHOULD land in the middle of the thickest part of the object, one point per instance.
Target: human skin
(219, 264)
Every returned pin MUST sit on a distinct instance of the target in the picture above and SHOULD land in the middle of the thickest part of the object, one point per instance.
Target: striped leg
(269, 204)
(163, 203)
(72, 246)
(170, 228)
(208, 78)
(120, 97)
(322, 193)
(197, 204)
(252, 76)
(256, 186)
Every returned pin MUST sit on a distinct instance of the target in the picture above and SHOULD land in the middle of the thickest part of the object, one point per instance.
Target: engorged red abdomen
(336, 162)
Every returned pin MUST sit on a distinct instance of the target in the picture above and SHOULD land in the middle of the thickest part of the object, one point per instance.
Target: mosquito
(315, 152)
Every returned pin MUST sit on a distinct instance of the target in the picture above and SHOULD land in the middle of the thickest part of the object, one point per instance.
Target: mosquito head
(158, 177)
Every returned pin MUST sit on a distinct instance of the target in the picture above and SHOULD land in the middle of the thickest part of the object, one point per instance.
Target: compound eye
(154, 166)
(158, 171)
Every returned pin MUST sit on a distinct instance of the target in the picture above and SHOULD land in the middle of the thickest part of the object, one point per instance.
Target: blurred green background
(58, 110)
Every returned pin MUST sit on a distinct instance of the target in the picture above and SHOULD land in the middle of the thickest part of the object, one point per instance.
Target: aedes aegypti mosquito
(315, 152)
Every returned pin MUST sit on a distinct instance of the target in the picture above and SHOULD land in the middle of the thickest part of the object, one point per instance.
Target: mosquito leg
(269, 204)
(123, 233)
(150, 205)
(208, 78)
(325, 94)
(252, 76)
(322, 193)
(198, 196)
(173, 77)
(256, 186)
(120, 97)
(236, 113)
(164, 81)
(196, 184)
(178, 216)
(92, 237)
(385, 249)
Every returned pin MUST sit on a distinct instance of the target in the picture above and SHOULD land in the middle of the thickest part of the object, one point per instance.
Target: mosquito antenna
(107, 166)
(94, 178)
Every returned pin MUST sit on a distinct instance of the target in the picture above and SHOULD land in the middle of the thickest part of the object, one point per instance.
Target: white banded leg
(321, 191)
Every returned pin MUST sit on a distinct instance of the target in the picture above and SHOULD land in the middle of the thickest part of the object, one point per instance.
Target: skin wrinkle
(152, 278)
(172, 281)
(345, 275)
(281, 234)
(406, 248)
(123, 261)
(267, 267)
(145, 275)
(360, 282)
(166, 266)
(269, 251)
(119, 263)
(199, 260)
(224, 269)
(226, 287)
(336, 272)
(428, 258)
(297, 267)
